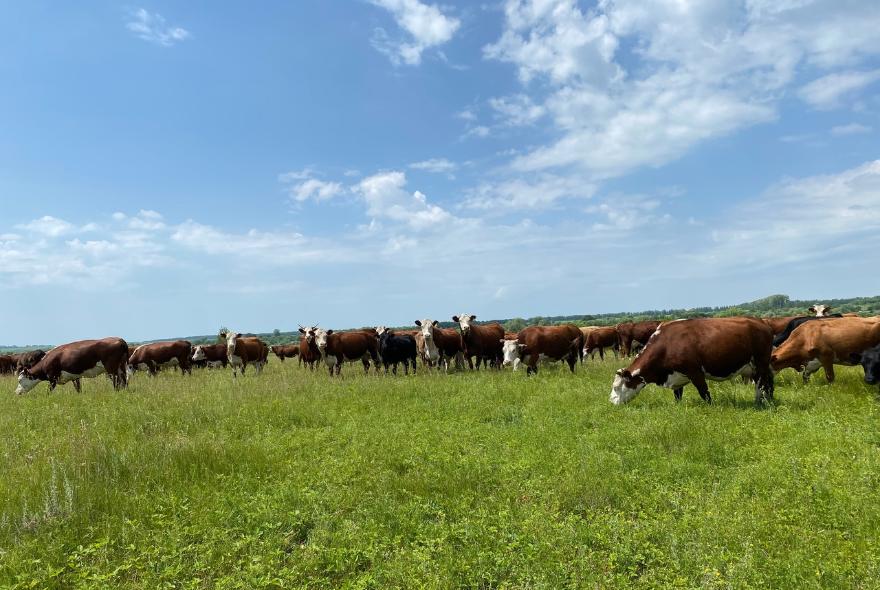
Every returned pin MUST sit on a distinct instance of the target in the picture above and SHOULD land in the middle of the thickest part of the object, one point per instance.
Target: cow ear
(435, 323)
(419, 322)
(455, 318)
(302, 330)
(812, 309)
(329, 332)
(473, 317)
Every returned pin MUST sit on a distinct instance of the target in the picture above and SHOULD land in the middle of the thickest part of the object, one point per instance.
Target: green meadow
(292, 479)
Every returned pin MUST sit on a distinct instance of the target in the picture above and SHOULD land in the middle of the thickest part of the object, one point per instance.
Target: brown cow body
(244, 350)
(825, 343)
(162, 355)
(26, 360)
(441, 344)
(550, 342)
(691, 351)
(481, 341)
(308, 350)
(778, 325)
(286, 351)
(337, 347)
(630, 333)
(73, 361)
(599, 339)
(8, 363)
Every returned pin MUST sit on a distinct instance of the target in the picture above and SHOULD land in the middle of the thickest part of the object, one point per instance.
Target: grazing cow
(308, 350)
(599, 339)
(781, 337)
(634, 334)
(778, 325)
(826, 343)
(210, 355)
(543, 342)
(441, 344)
(26, 360)
(691, 351)
(73, 361)
(286, 351)
(241, 350)
(483, 342)
(821, 311)
(395, 348)
(161, 355)
(337, 347)
(870, 361)
(7, 364)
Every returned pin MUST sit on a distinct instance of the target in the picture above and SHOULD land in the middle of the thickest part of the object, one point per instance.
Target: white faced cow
(820, 310)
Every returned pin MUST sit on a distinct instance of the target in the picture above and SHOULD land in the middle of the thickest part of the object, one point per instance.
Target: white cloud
(633, 83)
(828, 91)
(850, 129)
(480, 131)
(48, 226)
(153, 28)
(517, 110)
(436, 165)
(302, 186)
(425, 24)
(385, 196)
(518, 194)
(626, 213)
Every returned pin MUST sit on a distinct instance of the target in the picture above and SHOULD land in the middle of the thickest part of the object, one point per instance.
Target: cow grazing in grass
(161, 355)
(396, 348)
(337, 347)
(73, 361)
(634, 334)
(692, 351)
(870, 361)
(441, 344)
(483, 342)
(286, 351)
(210, 355)
(598, 340)
(244, 350)
(825, 344)
(537, 343)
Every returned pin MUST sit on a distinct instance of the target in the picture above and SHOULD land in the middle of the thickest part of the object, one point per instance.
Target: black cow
(394, 349)
(870, 361)
(778, 339)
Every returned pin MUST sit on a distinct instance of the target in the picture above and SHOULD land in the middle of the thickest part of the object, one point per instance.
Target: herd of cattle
(671, 354)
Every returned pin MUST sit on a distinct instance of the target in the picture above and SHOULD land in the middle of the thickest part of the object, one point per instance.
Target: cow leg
(532, 366)
(414, 365)
(763, 385)
(678, 393)
(601, 354)
(828, 365)
(572, 359)
(77, 385)
(699, 381)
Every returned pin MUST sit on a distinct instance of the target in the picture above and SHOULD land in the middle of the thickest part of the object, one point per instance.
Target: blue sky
(167, 168)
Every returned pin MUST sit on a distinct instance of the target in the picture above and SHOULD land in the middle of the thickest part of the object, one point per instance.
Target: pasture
(472, 480)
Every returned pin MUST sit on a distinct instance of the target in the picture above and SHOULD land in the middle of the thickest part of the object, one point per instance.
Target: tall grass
(472, 480)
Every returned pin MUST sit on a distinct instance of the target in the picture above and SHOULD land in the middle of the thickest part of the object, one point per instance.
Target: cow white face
(25, 383)
(427, 328)
(821, 310)
(626, 386)
(231, 341)
(199, 353)
(381, 330)
(320, 337)
(512, 351)
(464, 321)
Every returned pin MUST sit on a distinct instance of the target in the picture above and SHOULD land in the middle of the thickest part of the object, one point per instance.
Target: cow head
(320, 338)
(512, 351)
(464, 322)
(821, 311)
(870, 361)
(381, 330)
(26, 382)
(626, 386)
(308, 334)
(427, 328)
(231, 341)
(199, 353)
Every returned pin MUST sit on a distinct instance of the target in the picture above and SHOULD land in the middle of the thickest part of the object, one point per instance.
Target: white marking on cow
(620, 393)
(676, 380)
(199, 354)
(25, 383)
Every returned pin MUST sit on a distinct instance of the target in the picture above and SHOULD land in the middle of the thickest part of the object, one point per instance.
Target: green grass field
(487, 480)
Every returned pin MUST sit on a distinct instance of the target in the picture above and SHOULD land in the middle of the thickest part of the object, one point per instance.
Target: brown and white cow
(820, 310)
(692, 351)
(286, 351)
(633, 334)
(161, 355)
(308, 350)
(242, 350)
(481, 341)
(441, 344)
(543, 342)
(210, 355)
(599, 339)
(825, 343)
(337, 347)
(75, 360)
